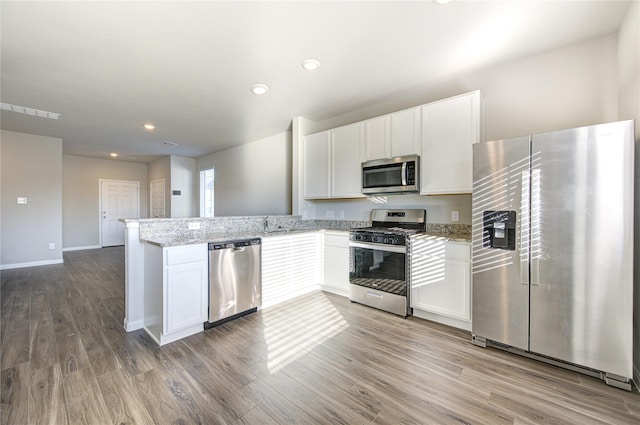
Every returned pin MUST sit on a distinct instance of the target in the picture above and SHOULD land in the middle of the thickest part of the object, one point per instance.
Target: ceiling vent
(29, 111)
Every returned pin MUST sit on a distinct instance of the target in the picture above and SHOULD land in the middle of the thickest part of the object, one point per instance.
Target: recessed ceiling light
(149, 126)
(113, 154)
(310, 64)
(259, 89)
(441, 1)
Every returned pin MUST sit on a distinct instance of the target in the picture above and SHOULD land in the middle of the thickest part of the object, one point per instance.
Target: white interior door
(118, 199)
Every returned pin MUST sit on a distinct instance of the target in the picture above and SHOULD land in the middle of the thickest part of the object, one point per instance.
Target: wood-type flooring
(317, 359)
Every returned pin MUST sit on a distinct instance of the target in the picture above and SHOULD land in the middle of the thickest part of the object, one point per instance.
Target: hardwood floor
(317, 359)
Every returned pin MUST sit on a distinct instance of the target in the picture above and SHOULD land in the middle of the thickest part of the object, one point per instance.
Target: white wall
(252, 179)
(183, 171)
(629, 108)
(161, 169)
(81, 200)
(568, 87)
(31, 167)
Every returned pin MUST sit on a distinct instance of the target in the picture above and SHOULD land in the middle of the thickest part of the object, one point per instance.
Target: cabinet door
(185, 295)
(445, 290)
(290, 266)
(405, 132)
(449, 128)
(315, 152)
(346, 159)
(336, 264)
(377, 139)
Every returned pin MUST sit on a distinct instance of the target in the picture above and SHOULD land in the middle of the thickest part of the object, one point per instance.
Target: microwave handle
(404, 173)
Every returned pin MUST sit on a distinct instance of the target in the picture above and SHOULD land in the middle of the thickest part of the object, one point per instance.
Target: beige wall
(31, 167)
(80, 199)
(252, 179)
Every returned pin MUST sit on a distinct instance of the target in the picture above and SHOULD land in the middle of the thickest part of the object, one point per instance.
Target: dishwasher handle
(237, 245)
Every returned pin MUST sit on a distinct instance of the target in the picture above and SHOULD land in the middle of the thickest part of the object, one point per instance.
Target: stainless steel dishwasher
(235, 280)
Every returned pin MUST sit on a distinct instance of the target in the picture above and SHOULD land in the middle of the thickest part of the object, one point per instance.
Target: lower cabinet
(176, 291)
(335, 263)
(290, 266)
(441, 281)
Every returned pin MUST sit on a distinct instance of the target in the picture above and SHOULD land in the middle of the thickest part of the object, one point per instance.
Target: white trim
(80, 248)
(133, 326)
(449, 321)
(100, 181)
(30, 264)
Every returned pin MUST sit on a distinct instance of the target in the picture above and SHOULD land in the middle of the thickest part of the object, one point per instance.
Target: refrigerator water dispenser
(499, 229)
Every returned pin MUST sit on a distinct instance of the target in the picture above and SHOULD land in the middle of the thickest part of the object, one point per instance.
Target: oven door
(380, 267)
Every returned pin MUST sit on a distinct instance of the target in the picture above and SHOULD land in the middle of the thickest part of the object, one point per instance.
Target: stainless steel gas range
(378, 275)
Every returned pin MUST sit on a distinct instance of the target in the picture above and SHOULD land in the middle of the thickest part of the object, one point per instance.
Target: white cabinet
(346, 158)
(315, 152)
(175, 291)
(392, 135)
(290, 266)
(441, 281)
(331, 163)
(335, 263)
(405, 132)
(377, 138)
(449, 129)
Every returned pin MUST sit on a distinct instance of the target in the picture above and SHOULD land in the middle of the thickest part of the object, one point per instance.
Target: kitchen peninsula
(298, 256)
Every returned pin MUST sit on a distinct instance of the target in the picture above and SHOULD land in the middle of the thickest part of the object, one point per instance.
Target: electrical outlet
(329, 214)
(455, 215)
(341, 214)
(52, 245)
(22, 200)
(194, 225)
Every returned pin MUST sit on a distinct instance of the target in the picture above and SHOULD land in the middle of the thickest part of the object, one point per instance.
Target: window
(206, 192)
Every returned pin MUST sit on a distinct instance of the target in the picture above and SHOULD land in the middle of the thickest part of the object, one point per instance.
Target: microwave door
(383, 176)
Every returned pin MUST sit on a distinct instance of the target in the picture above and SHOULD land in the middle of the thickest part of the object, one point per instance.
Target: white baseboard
(134, 325)
(81, 248)
(30, 264)
(449, 321)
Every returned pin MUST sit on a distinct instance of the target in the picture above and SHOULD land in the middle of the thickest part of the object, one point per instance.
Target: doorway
(118, 199)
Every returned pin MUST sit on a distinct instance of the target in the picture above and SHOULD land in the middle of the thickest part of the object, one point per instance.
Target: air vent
(29, 111)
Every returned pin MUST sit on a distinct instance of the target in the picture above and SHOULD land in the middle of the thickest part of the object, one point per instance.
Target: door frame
(100, 182)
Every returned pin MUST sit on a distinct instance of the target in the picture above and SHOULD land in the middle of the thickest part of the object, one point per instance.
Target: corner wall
(252, 179)
(30, 167)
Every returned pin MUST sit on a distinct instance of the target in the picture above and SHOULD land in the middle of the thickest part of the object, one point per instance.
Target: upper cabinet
(449, 129)
(442, 133)
(315, 154)
(331, 163)
(392, 135)
(346, 157)
(405, 132)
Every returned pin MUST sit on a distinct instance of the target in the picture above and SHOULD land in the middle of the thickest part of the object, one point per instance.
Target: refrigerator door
(500, 217)
(582, 246)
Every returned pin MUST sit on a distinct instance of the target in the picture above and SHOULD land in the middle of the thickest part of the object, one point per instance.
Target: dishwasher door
(235, 279)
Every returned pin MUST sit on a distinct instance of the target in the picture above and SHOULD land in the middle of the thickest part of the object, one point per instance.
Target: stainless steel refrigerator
(552, 237)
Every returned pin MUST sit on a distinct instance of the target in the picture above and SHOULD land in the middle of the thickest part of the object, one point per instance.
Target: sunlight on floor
(292, 332)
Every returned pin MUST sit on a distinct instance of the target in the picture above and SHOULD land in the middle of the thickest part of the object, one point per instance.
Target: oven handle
(379, 247)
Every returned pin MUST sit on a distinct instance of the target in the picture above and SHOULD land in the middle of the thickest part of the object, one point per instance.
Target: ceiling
(110, 67)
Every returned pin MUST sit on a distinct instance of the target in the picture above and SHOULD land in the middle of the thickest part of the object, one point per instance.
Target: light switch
(22, 200)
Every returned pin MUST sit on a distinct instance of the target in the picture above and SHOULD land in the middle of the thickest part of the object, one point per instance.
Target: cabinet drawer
(185, 254)
(341, 241)
(458, 251)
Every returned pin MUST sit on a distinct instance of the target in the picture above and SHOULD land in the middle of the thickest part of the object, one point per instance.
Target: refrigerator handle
(535, 227)
(524, 228)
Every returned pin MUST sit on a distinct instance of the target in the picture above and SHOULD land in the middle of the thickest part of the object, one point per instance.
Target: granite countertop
(178, 240)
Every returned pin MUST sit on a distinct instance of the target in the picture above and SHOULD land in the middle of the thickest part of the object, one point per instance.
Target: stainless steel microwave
(391, 175)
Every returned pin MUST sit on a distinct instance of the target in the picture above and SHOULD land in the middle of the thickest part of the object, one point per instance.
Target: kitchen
(576, 102)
